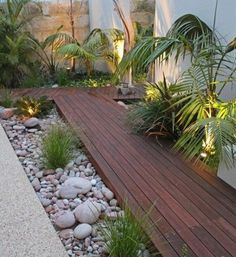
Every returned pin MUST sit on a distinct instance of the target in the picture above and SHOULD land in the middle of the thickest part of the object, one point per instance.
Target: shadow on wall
(169, 10)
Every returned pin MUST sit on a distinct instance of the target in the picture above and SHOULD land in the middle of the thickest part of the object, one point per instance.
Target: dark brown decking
(190, 206)
(110, 91)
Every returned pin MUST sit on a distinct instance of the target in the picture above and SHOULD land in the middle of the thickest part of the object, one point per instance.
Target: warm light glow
(203, 155)
(119, 48)
(32, 111)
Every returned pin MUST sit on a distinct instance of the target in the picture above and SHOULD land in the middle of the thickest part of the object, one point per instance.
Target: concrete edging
(25, 229)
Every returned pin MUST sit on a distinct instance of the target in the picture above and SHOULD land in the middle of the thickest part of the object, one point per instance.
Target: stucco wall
(56, 13)
(170, 10)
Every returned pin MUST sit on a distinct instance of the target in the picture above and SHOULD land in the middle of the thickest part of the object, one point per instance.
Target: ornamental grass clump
(6, 98)
(125, 237)
(57, 146)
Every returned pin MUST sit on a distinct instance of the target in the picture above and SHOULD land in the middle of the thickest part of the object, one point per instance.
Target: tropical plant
(97, 46)
(15, 47)
(47, 51)
(57, 146)
(32, 107)
(124, 236)
(156, 115)
(208, 122)
(187, 35)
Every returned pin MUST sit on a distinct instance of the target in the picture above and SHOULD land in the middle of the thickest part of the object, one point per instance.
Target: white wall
(204, 9)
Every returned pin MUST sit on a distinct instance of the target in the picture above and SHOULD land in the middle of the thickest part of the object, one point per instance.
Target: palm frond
(75, 50)
(219, 133)
(188, 34)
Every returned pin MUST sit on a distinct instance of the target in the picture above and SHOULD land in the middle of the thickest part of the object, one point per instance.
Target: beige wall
(55, 14)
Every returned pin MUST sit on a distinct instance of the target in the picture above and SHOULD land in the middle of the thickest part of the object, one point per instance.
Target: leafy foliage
(97, 46)
(57, 146)
(6, 98)
(15, 46)
(207, 122)
(188, 34)
(157, 114)
(46, 51)
(32, 107)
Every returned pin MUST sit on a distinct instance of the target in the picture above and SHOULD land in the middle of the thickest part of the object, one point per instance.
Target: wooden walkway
(191, 207)
(110, 91)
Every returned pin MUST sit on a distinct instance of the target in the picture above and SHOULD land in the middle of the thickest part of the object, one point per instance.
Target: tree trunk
(129, 35)
(72, 32)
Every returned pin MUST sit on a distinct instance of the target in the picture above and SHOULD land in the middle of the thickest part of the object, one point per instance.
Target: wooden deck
(110, 91)
(191, 207)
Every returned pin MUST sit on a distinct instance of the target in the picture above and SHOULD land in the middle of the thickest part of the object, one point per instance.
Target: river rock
(82, 185)
(88, 212)
(68, 192)
(36, 184)
(31, 122)
(82, 231)
(64, 219)
(107, 193)
(18, 127)
(6, 113)
(45, 202)
(66, 233)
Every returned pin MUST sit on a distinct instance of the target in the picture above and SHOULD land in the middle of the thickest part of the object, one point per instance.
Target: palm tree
(208, 123)
(47, 51)
(15, 47)
(72, 31)
(97, 46)
(129, 34)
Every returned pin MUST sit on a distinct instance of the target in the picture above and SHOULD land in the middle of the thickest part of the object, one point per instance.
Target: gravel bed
(75, 198)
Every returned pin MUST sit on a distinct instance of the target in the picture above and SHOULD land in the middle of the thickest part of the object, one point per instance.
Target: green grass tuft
(6, 98)
(57, 146)
(125, 237)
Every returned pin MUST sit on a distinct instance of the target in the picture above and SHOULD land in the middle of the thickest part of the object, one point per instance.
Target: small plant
(57, 146)
(156, 115)
(62, 77)
(125, 237)
(6, 98)
(32, 107)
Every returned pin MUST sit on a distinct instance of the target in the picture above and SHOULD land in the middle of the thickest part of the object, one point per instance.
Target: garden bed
(71, 196)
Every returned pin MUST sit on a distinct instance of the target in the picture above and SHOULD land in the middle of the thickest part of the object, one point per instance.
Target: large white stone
(82, 231)
(107, 193)
(83, 185)
(68, 192)
(88, 212)
(64, 219)
(6, 113)
(31, 122)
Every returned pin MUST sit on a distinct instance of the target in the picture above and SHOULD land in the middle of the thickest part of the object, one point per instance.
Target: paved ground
(25, 230)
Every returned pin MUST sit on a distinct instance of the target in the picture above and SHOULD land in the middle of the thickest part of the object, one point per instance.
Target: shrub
(156, 115)
(6, 98)
(16, 53)
(125, 237)
(62, 77)
(57, 146)
(32, 107)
